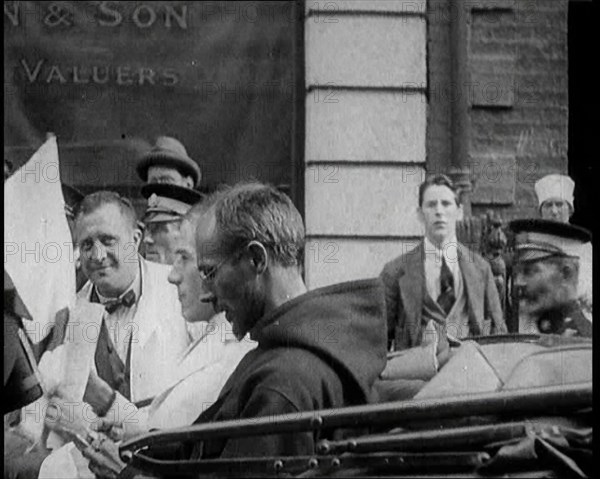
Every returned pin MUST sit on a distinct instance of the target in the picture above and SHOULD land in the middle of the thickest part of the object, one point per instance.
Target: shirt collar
(136, 286)
(449, 248)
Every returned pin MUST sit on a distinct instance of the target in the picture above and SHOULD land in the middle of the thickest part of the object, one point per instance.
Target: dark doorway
(581, 135)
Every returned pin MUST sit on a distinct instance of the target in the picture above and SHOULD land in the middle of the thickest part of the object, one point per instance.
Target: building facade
(346, 104)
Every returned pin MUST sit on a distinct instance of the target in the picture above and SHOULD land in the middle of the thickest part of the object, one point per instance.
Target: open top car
(503, 406)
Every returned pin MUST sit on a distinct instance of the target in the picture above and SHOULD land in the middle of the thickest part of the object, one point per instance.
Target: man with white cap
(546, 276)
(555, 197)
(168, 162)
(167, 204)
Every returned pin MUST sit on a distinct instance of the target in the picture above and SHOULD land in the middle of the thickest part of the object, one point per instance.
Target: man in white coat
(132, 347)
(141, 333)
(196, 380)
(209, 360)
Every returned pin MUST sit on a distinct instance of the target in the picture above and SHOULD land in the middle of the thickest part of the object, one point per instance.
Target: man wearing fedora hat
(547, 265)
(168, 162)
(167, 204)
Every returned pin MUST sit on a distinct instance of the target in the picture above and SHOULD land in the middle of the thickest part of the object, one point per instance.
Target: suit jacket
(160, 337)
(404, 280)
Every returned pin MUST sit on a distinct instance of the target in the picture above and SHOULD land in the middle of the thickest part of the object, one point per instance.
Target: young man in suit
(440, 280)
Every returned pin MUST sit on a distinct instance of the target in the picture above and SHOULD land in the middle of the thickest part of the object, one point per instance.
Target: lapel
(80, 345)
(147, 321)
(474, 283)
(85, 292)
(412, 286)
(207, 348)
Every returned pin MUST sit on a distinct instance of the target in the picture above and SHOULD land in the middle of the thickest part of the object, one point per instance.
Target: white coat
(198, 379)
(160, 336)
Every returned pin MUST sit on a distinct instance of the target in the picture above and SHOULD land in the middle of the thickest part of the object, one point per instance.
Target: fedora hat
(169, 152)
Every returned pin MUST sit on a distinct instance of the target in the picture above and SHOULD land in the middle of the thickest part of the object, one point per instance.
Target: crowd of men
(230, 263)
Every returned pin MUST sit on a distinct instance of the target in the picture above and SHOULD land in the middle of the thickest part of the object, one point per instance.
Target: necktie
(446, 298)
(127, 300)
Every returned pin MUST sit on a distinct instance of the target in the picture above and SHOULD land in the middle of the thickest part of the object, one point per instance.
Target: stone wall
(365, 150)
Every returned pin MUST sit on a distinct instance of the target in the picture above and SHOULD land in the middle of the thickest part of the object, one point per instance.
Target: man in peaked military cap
(167, 204)
(555, 195)
(168, 162)
(547, 270)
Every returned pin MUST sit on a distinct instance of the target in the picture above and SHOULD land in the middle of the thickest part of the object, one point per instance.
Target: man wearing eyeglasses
(316, 350)
(198, 377)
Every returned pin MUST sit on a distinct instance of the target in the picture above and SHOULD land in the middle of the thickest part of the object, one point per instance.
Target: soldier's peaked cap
(171, 153)
(537, 239)
(168, 202)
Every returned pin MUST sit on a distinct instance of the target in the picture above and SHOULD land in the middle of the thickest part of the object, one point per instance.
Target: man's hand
(66, 418)
(103, 455)
(114, 430)
(435, 338)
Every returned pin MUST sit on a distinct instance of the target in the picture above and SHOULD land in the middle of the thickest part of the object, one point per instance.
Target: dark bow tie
(127, 301)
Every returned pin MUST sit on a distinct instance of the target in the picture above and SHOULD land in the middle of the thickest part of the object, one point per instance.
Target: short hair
(252, 211)
(439, 180)
(94, 201)
(200, 208)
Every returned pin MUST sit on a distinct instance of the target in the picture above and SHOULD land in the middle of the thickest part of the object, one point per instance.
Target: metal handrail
(552, 399)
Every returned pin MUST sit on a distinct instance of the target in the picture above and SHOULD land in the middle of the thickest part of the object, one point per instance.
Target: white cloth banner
(38, 249)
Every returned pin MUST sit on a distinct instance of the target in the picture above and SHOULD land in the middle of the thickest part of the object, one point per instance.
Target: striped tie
(446, 298)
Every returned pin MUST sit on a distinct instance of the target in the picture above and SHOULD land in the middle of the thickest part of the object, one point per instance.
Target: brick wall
(518, 97)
